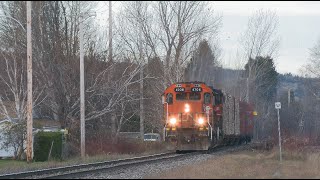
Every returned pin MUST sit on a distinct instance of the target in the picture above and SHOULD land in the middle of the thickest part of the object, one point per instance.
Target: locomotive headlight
(173, 121)
(186, 108)
(200, 121)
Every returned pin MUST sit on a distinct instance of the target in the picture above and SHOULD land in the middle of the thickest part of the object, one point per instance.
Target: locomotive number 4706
(196, 89)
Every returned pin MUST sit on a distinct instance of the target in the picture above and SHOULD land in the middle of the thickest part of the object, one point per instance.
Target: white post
(82, 106)
(278, 106)
(29, 86)
(279, 137)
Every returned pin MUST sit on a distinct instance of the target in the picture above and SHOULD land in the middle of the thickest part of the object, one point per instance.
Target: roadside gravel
(140, 171)
(151, 169)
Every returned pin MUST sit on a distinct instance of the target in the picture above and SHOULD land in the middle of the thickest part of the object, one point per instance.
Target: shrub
(42, 145)
(95, 146)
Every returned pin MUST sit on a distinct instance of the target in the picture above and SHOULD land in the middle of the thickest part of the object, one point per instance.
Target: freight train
(199, 117)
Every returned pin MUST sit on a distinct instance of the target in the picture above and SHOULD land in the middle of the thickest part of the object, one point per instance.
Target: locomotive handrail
(207, 112)
(167, 120)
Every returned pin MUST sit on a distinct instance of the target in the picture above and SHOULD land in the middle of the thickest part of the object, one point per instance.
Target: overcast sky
(299, 29)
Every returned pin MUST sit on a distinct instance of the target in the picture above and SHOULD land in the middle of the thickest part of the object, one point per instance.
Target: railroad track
(82, 170)
(78, 170)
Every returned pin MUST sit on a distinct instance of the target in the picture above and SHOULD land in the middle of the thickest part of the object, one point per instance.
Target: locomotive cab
(188, 115)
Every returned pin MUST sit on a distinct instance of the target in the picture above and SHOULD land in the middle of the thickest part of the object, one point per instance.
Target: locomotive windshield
(188, 96)
(181, 96)
(195, 96)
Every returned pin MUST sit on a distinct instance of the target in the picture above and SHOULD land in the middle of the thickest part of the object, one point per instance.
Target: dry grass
(252, 165)
(11, 166)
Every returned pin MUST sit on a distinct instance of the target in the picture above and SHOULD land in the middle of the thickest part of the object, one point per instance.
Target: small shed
(42, 125)
(5, 153)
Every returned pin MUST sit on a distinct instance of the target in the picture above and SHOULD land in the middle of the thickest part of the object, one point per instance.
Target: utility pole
(248, 89)
(110, 32)
(248, 78)
(289, 97)
(141, 72)
(82, 91)
(113, 114)
(82, 106)
(29, 86)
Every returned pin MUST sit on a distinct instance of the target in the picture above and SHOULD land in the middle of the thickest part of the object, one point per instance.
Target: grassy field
(251, 164)
(10, 166)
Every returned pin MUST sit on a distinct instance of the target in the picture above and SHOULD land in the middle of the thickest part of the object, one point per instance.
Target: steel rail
(79, 166)
(114, 167)
(78, 174)
(76, 171)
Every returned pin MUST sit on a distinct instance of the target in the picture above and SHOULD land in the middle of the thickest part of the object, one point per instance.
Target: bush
(95, 146)
(42, 145)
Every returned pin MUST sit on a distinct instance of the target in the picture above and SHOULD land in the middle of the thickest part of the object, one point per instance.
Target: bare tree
(313, 66)
(260, 44)
(183, 23)
(14, 83)
(170, 32)
(312, 85)
(260, 39)
(173, 29)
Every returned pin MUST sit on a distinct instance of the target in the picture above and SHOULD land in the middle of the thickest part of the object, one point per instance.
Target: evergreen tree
(264, 78)
(202, 64)
(263, 88)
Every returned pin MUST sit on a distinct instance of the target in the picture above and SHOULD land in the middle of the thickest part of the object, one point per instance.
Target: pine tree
(201, 66)
(264, 78)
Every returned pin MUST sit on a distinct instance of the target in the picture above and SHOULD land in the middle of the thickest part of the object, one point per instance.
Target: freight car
(198, 117)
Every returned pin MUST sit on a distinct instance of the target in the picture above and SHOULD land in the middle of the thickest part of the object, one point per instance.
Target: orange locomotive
(199, 117)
